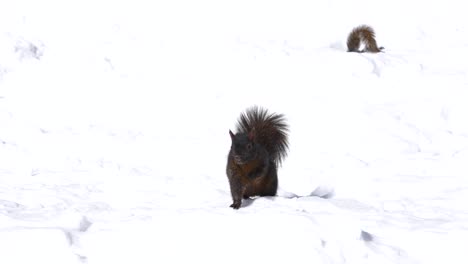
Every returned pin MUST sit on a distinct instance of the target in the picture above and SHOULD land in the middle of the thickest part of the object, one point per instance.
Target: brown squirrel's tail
(267, 129)
(363, 34)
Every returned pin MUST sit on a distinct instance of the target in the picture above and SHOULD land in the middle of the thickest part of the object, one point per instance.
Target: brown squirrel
(257, 149)
(363, 34)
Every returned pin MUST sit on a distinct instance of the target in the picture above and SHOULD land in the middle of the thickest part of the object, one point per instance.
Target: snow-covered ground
(114, 120)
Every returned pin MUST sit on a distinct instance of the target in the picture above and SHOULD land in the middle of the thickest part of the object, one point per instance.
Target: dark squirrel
(257, 149)
(363, 34)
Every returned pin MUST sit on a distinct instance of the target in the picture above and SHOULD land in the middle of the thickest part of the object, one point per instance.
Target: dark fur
(363, 34)
(257, 149)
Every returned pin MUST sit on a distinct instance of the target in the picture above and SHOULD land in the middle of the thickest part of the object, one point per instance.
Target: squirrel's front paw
(236, 205)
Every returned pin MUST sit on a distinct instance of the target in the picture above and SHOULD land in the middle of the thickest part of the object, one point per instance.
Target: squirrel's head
(243, 147)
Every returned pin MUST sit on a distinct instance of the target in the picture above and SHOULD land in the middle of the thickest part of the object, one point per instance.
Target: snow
(114, 120)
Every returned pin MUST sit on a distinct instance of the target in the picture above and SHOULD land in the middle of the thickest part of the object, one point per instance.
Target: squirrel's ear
(252, 135)
(232, 135)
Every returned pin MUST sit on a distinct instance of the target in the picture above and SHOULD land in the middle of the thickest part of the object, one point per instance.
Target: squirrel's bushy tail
(267, 129)
(363, 34)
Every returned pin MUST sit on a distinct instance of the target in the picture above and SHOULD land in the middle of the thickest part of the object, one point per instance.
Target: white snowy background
(114, 119)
